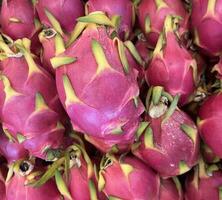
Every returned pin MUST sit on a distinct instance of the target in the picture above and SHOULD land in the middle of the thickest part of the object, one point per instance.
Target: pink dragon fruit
(52, 45)
(2, 187)
(204, 184)
(25, 173)
(206, 21)
(30, 110)
(127, 178)
(11, 150)
(170, 58)
(65, 11)
(80, 182)
(169, 138)
(122, 9)
(218, 68)
(170, 189)
(209, 123)
(208, 154)
(152, 13)
(89, 74)
(17, 18)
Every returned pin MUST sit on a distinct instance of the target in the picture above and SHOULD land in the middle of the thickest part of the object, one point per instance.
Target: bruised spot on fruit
(25, 168)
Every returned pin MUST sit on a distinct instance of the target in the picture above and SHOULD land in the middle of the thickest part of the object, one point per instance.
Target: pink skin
(218, 68)
(208, 187)
(2, 187)
(169, 191)
(79, 181)
(17, 114)
(208, 26)
(16, 190)
(141, 183)
(172, 143)
(21, 10)
(65, 11)
(123, 8)
(157, 17)
(209, 126)
(101, 109)
(12, 151)
(176, 60)
(105, 145)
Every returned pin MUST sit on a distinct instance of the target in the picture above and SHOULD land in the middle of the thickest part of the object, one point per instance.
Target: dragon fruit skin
(17, 18)
(170, 58)
(209, 123)
(169, 140)
(122, 8)
(31, 91)
(12, 151)
(218, 68)
(204, 186)
(151, 15)
(206, 22)
(50, 47)
(107, 115)
(65, 11)
(16, 188)
(2, 186)
(170, 190)
(135, 179)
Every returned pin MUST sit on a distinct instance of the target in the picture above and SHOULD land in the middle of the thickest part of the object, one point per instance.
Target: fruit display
(110, 99)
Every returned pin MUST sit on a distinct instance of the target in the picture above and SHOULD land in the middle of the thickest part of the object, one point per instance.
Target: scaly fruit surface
(74, 174)
(23, 173)
(152, 13)
(204, 184)
(2, 187)
(168, 138)
(30, 110)
(127, 178)
(52, 45)
(17, 18)
(89, 75)
(206, 22)
(209, 124)
(172, 66)
(123, 10)
(65, 11)
(170, 189)
(11, 150)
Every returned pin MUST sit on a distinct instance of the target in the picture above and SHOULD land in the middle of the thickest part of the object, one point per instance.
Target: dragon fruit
(79, 184)
(208, 154)
(152, 13)
(52, 45)
(127, 178)
(17, 18)
(206, 22)
(2, 187)
(172, 66)
(204, 183)
(168, 137)
(209, 123)
(11, 150)
(218, 68)
(89, 74)
(170, 189)
(65, 11)
(122, 9)
(23, 173)
(30, 110)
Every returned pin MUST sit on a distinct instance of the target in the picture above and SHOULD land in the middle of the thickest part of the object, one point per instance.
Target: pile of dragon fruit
(111, 100)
